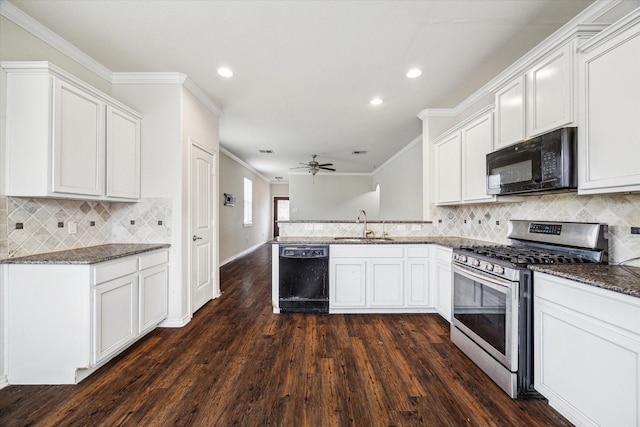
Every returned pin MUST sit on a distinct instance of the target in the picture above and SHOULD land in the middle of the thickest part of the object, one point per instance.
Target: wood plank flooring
(238, 364)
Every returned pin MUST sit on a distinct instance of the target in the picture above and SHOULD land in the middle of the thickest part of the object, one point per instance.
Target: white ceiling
(306, 70)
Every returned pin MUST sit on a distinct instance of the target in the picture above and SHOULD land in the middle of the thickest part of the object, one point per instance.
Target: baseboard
(241, 254)
(175, 323)
(4, 381)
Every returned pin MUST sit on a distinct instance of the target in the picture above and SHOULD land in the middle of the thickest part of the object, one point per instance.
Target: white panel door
(448, 170)
(202, 231)
(609, 134)
(510, 120)
(115, 316)
(347, 283)
(123, 154)
(477, 142)
(386, 283)
(79, 142)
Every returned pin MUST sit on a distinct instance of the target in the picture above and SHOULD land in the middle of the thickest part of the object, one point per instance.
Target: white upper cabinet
(550, 94)
(448, 169)
(541, 100)
(510, 120)
(461, 162)
(477, 142)
(66, 139)
(78, 141)
(609, 117)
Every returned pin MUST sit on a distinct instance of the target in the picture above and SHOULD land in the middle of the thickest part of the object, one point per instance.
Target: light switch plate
(416, 227)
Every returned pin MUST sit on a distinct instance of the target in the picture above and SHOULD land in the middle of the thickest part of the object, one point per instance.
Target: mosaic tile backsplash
(45, 224)
(489, 222)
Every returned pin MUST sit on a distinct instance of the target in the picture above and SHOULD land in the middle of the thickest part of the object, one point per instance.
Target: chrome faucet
(364, 230)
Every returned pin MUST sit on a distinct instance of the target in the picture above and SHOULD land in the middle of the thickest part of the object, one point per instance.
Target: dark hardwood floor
(237, 363)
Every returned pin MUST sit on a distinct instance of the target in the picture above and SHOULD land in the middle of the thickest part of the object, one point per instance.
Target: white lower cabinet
(587, 351)
(380, 278)
(66, 320)
(441, 280)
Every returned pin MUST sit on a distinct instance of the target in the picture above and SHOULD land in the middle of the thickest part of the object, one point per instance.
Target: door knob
(194, 238)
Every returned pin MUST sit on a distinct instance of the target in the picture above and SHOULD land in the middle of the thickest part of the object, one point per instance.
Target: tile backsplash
(148, 221)
(489, 222)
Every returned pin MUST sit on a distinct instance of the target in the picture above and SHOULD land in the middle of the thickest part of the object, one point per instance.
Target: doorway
(203, 248)
(280, 213)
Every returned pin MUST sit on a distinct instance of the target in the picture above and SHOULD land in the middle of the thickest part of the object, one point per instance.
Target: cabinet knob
(194, 238)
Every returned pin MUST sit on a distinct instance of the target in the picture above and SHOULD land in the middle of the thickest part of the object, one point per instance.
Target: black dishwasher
(304, 283)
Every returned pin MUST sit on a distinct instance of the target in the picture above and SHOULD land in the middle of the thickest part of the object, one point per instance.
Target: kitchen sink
(363, 239)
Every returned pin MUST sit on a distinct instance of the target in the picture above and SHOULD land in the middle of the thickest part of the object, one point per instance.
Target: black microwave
(541, 164)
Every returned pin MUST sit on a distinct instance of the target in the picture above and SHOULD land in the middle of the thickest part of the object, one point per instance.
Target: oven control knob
(488, 267)
(462, 258)
(498, 269)
(474, 262)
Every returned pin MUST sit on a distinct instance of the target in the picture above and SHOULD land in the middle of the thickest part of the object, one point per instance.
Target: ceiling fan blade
(300, 167)
(328, 169)
(326, 164)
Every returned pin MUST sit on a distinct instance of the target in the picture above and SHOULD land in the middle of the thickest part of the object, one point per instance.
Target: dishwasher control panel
(304, 251)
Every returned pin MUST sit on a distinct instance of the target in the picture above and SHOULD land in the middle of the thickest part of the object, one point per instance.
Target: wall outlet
(635, 230)
(416, 227)
(318, 227)
(72, 226)
(401, 227)
(308, 227)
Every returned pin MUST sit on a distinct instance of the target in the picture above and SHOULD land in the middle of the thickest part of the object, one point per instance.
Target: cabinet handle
(194, 238)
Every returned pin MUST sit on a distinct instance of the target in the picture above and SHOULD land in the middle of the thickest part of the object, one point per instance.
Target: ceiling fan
(314, 166)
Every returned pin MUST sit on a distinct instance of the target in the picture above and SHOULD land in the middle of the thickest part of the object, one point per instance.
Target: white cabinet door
(386, 283)
(477, 142)
(79, 141)
(123, 154)
(347, 282)
(153, 297)
(115, 315)
(417, 275)
(609, 134)
(550, 93)
(587, 352)
(510, 120)
(448, 170)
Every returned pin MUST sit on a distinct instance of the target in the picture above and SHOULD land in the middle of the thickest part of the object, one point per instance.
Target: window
(248, 201)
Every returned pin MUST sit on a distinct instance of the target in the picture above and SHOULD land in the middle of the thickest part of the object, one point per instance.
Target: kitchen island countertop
(87, 255)
(621, 279)
(447, 241)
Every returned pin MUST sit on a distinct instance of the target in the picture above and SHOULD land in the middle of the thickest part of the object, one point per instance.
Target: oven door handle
(487, 280)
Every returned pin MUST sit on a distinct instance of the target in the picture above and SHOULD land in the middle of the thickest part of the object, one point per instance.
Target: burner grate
(520, 255)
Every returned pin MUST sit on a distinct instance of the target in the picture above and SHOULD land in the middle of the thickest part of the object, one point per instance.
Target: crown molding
(438, 112)
(29, 24)
(25, 21)
(622, 25)
(242, 163)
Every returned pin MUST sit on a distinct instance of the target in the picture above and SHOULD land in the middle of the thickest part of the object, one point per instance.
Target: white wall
(236, 238)
(400, 181)
(332, 197)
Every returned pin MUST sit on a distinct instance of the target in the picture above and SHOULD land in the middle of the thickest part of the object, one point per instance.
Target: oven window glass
(515, 172)
(482, 309)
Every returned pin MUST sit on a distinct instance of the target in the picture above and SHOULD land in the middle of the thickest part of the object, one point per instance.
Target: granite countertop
(88, 255)
(447, 241)
(622, 279)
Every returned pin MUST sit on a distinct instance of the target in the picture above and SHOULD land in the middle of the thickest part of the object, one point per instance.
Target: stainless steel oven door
(485, 308)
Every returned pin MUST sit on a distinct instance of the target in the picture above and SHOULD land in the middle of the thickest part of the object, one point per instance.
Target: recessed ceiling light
(414, 72)
(375, 101)
(266, 151)
(225, 72)
(359, 152)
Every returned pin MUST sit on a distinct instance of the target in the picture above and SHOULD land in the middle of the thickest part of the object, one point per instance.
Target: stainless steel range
(493, 294)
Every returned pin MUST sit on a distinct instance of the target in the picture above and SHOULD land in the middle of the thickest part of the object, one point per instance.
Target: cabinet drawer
(153, 258)
(366, 251)
(114, 269)
(443, 254)
(418, 252)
